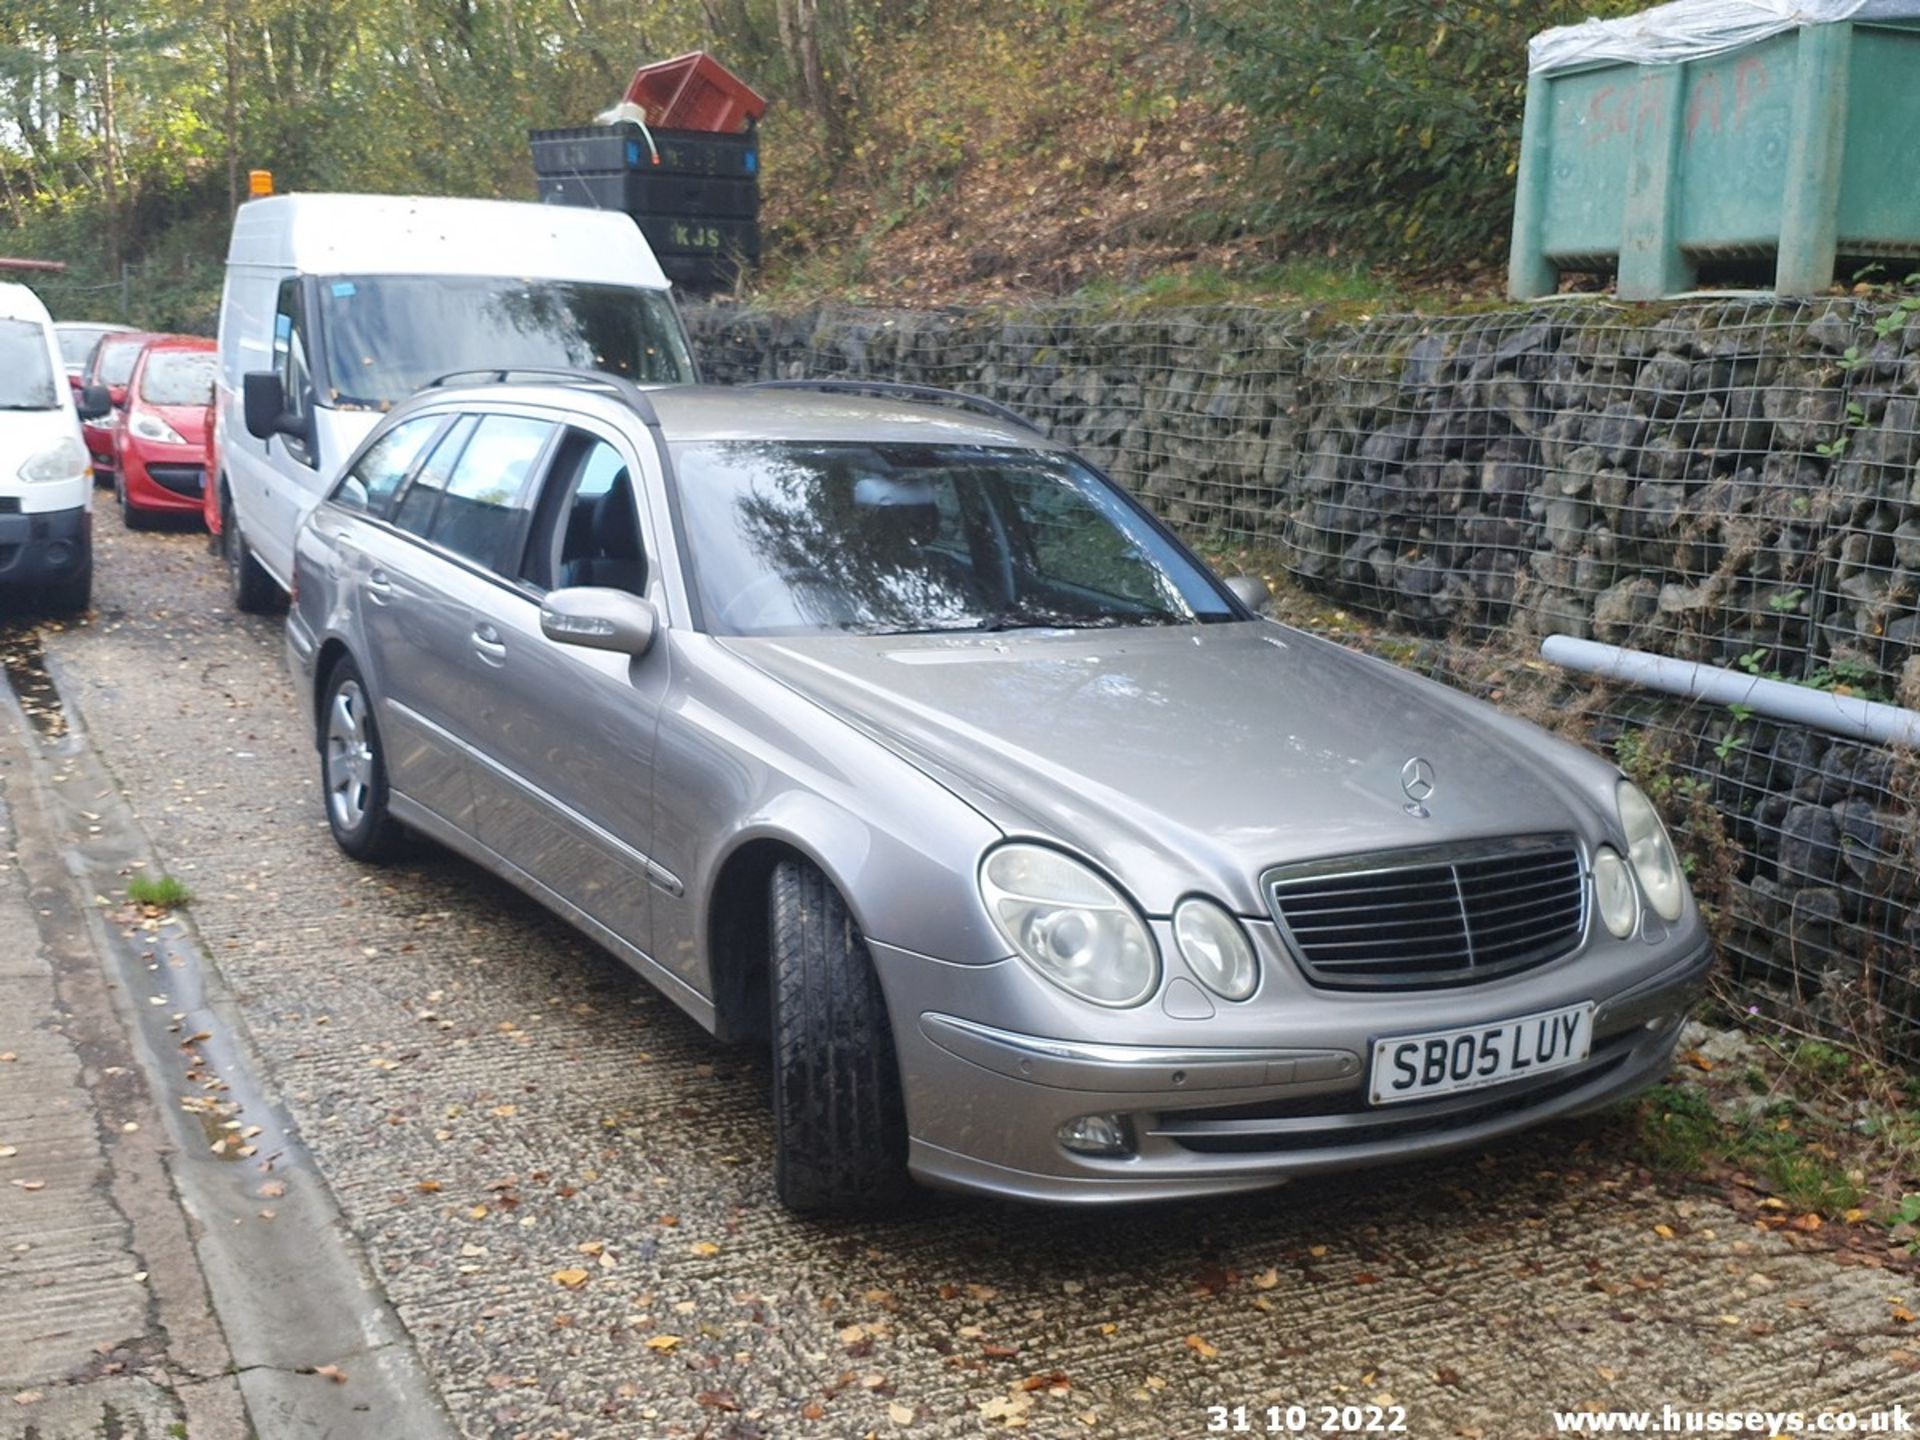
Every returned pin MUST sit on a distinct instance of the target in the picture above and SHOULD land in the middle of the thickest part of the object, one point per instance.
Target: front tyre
(251, 588)
(839, 1120)
(353, 769)
(131, 515)
(73, 595)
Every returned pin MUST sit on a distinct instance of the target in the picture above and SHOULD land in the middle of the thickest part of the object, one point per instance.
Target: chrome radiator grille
(1451, 915)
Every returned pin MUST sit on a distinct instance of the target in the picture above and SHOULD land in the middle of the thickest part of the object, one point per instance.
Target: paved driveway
(565, 1187)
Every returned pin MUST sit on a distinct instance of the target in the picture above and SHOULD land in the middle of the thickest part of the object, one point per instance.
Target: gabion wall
(1730, 481)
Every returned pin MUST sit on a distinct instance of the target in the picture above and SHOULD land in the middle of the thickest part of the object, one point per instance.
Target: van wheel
(73, 595)
(251, 588)
(839, 1120)
(353, 769)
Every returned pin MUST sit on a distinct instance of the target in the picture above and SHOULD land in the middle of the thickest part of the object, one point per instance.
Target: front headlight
(1069, 924)
(1654, 862)
(64, 460)
(1613, 891)
(1212, 942)
(149, 426)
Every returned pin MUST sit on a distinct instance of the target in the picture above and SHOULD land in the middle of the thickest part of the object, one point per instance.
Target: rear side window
(371, 484)
(479, 514)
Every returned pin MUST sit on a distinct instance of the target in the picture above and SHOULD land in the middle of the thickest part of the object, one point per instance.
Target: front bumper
(172, 478)
(984, 1104)
(45, 548)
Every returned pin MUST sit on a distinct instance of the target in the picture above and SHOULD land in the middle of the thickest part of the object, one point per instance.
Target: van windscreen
(384, 336)
(26, 368)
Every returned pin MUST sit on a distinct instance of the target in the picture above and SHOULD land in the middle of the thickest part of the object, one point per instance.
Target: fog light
(1097, 1135)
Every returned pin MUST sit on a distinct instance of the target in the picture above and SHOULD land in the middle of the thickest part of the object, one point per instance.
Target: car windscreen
(793, 538)
(115, 363)
(77, 344)
(27, 381)
(179, 377)
(384, 337)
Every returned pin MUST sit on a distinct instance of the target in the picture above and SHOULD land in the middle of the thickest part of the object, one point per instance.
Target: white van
(337, 307)
(46, 480)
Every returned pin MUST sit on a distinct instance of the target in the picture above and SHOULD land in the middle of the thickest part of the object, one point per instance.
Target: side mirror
(599, 619)
(264, 401)
(94, 402)
(1251, 592)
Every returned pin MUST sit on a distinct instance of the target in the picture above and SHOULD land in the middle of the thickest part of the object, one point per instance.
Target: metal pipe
(1774, 699)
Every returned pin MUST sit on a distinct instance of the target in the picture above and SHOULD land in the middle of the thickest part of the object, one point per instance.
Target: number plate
(1444, 1062)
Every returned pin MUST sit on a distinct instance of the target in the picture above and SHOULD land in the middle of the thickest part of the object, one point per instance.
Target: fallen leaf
(272, 1190)
(1201, 1348)
(705, 1247)
(331, 1372)
(570, 1279)
(29, 1184)
(716, 1400)
(27, 1397)
(662, 1343)
(1902, 1315)
(591, 1247)
(428, 1187)
(1000, 1352)
(505, 1112)
(1665, 1232)
(1266, 1280)
(813, 1410)
(900, 1414)
(477, 1212)
(7, 1152)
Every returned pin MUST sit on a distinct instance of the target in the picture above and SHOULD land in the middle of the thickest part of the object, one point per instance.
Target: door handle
(379, 587)
(488, 645)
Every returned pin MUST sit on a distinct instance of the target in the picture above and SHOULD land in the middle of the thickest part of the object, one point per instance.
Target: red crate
(695, 92)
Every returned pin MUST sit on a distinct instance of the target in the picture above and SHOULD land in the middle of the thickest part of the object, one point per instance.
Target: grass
(1821, 1129)
(161, 892)
(1291, 282)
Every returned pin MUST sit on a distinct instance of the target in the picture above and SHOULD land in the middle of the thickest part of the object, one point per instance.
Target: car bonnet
(1188, 757)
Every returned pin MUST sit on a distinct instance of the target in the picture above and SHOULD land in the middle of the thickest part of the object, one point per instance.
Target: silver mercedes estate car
(891, 736)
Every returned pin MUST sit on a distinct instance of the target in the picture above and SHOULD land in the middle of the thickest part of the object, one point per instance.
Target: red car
(110, 366)
(160, 444)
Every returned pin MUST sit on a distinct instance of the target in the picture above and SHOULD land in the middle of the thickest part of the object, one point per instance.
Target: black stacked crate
(698, 206)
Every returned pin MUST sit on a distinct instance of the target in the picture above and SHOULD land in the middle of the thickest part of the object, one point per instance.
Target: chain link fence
(1730, 481)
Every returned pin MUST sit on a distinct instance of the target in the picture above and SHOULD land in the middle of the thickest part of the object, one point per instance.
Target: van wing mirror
(94, 402)
(264, 401)
(599, 619)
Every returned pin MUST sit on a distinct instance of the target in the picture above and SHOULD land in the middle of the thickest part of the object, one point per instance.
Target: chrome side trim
(1085, 1065)
(418, 817)
(657, 874)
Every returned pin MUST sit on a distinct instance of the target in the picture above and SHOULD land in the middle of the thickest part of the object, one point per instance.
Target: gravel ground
(565, 1184)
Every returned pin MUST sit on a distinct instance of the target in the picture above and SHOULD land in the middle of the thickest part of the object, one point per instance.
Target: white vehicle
(46, 481)
(337, 307)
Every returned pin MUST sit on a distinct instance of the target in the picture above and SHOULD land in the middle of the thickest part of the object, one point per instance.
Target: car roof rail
(551, 375)
(900, 390)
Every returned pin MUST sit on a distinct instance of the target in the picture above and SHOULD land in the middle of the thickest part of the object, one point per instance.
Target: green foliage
(1390, 127)
(131, 124)
(161, 892)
